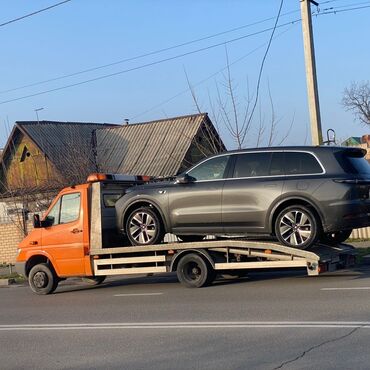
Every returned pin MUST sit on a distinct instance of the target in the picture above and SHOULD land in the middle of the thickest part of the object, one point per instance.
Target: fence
(363, 233)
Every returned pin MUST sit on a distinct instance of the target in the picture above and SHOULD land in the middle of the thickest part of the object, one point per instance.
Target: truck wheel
(336, 237)
(143, 227)
(194, 272)
(296, 227)
(42, 279)
(93, 280)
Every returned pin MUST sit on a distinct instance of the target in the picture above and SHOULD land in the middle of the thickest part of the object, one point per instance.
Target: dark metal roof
(64, 143)
(155, 148)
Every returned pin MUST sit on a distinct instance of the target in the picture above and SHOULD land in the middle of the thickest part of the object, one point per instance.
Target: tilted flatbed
(221, 255)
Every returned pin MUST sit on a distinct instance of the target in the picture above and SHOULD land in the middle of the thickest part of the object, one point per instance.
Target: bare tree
(356, 98)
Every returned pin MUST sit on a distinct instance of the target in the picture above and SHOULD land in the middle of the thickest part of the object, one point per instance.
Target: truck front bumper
(20, 268)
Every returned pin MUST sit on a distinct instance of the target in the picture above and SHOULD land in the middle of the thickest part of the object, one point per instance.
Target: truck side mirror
(184, 179)
(36, 221)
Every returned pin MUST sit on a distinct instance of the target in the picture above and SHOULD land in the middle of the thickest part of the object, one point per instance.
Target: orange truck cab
(79, 216)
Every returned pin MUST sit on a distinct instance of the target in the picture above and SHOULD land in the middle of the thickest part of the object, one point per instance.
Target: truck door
(63, 236)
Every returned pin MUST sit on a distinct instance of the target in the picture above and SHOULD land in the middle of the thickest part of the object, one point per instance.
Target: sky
(85, 34)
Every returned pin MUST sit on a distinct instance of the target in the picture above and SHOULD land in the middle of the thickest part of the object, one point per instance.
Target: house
(48, 155)
(362, 142)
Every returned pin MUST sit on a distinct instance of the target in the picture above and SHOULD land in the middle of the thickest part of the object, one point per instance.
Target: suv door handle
(270, 186)
(76, 231)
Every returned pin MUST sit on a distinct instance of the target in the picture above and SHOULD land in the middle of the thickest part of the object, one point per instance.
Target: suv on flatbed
(297, 194)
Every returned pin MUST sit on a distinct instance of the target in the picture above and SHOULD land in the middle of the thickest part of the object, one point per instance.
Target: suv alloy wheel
(143, 227)
(296, 226)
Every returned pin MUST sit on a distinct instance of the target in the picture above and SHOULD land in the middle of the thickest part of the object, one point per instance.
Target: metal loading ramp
(221, 254)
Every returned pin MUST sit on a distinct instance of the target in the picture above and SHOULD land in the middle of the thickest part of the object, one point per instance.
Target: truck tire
(93, 280)
(144, 227)
(42, 279)
(194, 272)
(297, 227)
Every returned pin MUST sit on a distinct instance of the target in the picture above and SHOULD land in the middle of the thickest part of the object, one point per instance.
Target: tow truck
(77, 237)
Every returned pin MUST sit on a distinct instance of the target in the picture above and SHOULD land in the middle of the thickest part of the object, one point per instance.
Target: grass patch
(361, 253)
(18, 278)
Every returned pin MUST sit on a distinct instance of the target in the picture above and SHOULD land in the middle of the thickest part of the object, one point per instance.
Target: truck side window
(66, 209)
(70, 209)
(53, 215)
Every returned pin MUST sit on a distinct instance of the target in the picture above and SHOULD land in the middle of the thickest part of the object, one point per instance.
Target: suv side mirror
(36, 221)
(184, 179)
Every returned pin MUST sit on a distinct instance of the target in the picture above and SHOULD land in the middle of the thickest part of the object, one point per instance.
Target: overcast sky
(85, 34)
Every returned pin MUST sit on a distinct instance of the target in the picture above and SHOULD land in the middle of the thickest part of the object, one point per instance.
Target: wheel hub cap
(40, 279)
(295, 227)
(142, 227)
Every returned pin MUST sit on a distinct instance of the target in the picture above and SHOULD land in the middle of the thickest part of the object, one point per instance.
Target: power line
(207, 78)
(33, 13)
(236, 61)
(172, 58)
(148, 64)
(245, 127)
(145, 54)
(333, 11)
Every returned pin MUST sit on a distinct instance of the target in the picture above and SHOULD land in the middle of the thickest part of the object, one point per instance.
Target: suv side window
(213, 169)
(67, 209)
(277, 166)
(252, 164)
(298, 163)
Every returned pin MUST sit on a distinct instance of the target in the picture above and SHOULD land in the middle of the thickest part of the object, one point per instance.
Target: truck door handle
(76, 231)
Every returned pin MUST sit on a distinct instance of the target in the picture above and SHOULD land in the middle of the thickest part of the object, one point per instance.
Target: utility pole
(309, 55)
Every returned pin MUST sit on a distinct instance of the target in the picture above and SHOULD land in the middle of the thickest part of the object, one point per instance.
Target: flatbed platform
(221, 255)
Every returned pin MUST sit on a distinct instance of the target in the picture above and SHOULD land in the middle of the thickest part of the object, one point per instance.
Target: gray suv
(297, 194)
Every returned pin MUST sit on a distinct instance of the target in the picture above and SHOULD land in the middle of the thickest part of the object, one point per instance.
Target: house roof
(155, 148)
(62, 142)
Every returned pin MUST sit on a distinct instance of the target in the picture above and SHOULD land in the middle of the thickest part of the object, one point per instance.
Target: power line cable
(171, 58)
(207, 78)
(33, 13)
(148, 64)
(245, 127)
(144, 55)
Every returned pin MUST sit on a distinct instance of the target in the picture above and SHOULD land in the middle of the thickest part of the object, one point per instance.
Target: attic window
(25, 154)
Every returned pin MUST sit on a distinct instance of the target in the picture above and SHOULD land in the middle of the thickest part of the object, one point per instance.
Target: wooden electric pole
(309, 54)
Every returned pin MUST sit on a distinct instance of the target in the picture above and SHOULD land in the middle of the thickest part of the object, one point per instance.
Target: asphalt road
(281, 320)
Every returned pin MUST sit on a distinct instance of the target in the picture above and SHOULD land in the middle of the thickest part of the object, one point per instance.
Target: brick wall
(10, 236)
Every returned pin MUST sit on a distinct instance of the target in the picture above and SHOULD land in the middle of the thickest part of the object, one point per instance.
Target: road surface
(280, 320)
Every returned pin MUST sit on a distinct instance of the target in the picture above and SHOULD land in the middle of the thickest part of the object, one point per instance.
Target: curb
(7, 282)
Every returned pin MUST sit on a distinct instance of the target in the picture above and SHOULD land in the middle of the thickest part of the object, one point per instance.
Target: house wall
(11, 234)
(26, 166)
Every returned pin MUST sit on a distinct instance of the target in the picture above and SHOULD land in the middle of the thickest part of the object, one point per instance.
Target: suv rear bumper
(347, 215)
